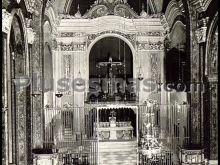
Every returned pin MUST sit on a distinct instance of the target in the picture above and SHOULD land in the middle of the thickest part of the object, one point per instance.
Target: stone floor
(118, 153)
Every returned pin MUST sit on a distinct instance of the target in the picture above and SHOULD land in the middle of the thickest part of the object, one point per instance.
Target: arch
(209, 36)
(18, 13)
(16, 104)
(67, 6)
(112, 35)
(178, 35)
(50, 16)
(133, 52)
(173, 10)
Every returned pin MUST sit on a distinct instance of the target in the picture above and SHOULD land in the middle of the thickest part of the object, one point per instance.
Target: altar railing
(168, 124)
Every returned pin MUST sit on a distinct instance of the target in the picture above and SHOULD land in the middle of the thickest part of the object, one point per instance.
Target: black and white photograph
(109, 82)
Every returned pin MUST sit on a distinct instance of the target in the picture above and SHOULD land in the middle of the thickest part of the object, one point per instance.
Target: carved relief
(102, 8)
(6, 21)
(151, 33)
(155, 71)
(130, 37)
(66, 61)
(72, 46)
(71, 34)
(150, 46)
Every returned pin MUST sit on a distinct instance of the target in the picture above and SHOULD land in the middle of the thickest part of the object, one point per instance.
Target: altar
(113, 130)
(122, 131)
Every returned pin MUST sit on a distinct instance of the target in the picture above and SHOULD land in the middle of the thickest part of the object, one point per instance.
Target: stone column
(6, 23)
(195, 79)
(36, 63)
(201, 40)
(30, 39)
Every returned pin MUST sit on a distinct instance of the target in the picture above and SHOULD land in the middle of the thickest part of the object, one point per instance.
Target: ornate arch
(174, 9)
(208, 56)
(52, 19)
(21, 96)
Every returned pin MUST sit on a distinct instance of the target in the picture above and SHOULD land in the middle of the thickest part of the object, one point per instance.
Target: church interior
(109, 82)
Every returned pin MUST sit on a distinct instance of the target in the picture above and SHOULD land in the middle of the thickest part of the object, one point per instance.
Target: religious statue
(112, 119)
(110, 75)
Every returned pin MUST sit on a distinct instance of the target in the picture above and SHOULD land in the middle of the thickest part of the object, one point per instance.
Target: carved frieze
(130, 37)
(201, 34)
(150, 46)
(71, 34)
(6, 21)
(72, 46)
(151, 33)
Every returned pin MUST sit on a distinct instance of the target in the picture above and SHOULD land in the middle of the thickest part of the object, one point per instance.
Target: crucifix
(110, 65)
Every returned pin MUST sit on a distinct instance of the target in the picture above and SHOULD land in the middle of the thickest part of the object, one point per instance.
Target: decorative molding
(155, 71)
(66, 62)
(107, 7)
(72, 46)
(30, 6)
(212, 30)
(6, 21)
(71, 34)
(130, 37)
(110, 7)
(151, 33)
(21, 126)
(165, 24)
(173, 10)
(150, 46)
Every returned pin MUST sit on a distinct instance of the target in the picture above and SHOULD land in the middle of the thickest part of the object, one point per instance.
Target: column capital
(201, 34)
(6, 21)
(30, 35)
(203, 22)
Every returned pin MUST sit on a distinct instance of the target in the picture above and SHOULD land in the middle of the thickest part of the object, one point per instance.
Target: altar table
(115, 133)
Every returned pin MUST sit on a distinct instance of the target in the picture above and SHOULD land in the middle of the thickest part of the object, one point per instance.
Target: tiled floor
(118, 153)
